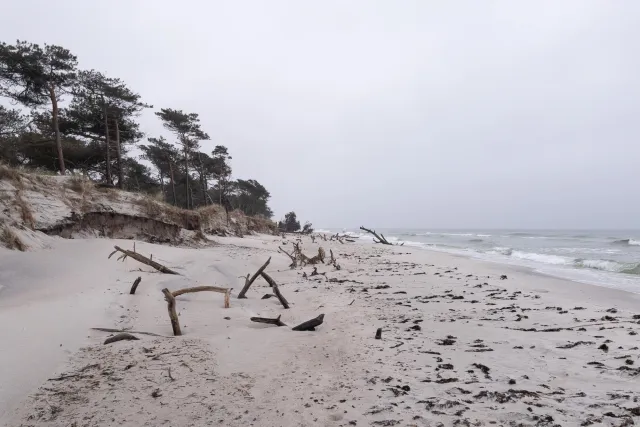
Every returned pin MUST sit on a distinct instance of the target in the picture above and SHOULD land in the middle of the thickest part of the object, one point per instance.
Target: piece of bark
(135, 286)
(275, 321)
(120, 337)
(275, 288)
(379, 334)
(267, 296)
(217, 289)
(171, 308)
(144, 260)
(310, 325)
(248, 282)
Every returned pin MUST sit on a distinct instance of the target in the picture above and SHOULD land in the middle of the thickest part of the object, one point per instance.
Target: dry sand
(460, 345)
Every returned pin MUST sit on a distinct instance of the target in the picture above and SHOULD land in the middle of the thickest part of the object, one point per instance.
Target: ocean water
(605, 258)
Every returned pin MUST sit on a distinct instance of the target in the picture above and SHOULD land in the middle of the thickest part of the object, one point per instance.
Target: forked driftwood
(225, 291)
(275, 321)
(380, 237)
(171, 307)
(135, 286)
(310, 325)
(294, 260)
(332, 261)
(143, 259)
(248, 281)
(275, 288)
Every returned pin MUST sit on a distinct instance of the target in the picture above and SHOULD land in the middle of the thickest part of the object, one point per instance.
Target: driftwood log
(248, 281)
(171, 307)
(135, 286)
(275, 288)
(310, 325)
(120, 337)
(275, 321)
(225, 291)
(143, 259)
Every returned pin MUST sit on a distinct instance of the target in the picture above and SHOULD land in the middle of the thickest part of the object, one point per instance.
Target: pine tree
(35, 77)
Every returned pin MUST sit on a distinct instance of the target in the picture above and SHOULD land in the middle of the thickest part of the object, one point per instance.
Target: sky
(409, 114)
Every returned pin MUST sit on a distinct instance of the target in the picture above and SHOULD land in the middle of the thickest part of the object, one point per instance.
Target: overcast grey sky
(435, 114)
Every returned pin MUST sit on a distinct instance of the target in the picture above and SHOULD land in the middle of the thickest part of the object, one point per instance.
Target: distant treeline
(94, 132)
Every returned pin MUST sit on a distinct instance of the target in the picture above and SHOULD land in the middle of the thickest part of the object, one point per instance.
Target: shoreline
(336, 375)
(610, 279)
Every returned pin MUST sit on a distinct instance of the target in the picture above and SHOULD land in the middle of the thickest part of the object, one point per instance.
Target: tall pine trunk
(107, 145)
(119, 151)
(56, 129)
(173, 183)
(186, 171)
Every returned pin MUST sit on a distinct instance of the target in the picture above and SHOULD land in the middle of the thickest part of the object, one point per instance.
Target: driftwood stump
(310, 325)
(275, 288)
(275, 321)
(171, 307)
(225, 291)
(135, 286)
(143, 259)
(379, 334)
(248, 282)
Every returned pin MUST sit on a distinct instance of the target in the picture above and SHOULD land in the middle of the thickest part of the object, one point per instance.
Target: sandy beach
(464, 342)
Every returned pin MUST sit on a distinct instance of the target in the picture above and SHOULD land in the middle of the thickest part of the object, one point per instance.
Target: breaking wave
(629, 242)
(596, 264)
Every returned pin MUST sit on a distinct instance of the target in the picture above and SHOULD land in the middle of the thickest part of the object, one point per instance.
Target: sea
(600, 257)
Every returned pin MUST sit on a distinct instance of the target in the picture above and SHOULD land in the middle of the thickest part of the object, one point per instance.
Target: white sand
(238, 373)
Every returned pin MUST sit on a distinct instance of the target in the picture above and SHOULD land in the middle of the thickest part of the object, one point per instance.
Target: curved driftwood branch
(144, 260)
(276, 290)
(171, 308)
(248, 282)
(135, 286)
(225, 291)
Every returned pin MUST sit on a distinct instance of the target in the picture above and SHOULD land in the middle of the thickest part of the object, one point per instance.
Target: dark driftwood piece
(310, 325)
(131, 332)
(275, 321)
(135, 286)
(171, 307)
(248, 282)
(143, 259)
(225, 291)
(380, 239)
(120, 337)
(275, 288)
(379, 334)
(267, 296)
